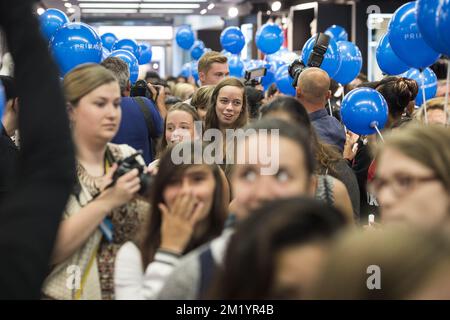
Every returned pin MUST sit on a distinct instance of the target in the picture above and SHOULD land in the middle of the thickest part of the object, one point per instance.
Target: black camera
(126, 165)
(252, 76)
(140, 89)
(315, 59)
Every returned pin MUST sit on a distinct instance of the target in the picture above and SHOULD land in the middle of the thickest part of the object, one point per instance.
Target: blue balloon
(130, 60)
(443, 23)
(198, 49)
(332, 61)
(74, 44)
(429, 84)
(51, 20)
(232, 39)
(406, 39)
(337, 33)
(427, 21)
(362, 109)
(146, 53)
(387, 60)
(108, 40)
(351, 62)
(236, 66)
(194, 70)
(129, 45)
(186, 70)
(284, 81)
(269, 38)
(185, 37)
(269, 78)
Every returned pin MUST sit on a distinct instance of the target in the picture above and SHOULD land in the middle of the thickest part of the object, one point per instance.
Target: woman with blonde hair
(184, 91)
(435, 112)
(201, 100)
(103, 212)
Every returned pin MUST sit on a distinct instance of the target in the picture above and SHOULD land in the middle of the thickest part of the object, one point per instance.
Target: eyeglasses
(400, 184)
(235, 103)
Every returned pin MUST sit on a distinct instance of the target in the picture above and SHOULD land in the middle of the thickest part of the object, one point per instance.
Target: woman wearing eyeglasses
(412, 181)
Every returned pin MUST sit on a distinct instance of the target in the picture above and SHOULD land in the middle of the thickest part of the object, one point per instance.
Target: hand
(350, 147)
(179, 222)
(124, 190)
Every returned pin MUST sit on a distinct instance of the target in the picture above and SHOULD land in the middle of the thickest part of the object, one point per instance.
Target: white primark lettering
(193, 310)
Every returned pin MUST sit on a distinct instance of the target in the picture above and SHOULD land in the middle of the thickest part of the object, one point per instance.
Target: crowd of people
(93, 204)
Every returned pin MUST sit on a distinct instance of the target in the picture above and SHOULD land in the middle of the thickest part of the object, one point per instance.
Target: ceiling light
(170, 5)
(211, 6)
(108, 10)
(40, 11)
(233, 12)
(67, 5)
(109, 5)
(276, 6)
(166, 11)
(203, 11)
(71, 10)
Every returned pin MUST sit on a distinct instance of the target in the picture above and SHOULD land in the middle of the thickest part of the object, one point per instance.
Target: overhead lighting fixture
(71, 10)
(67, 5)
(110, 5)
(108, 10)
(276, 6)
(175, 0)
(211, 6)
(268, 12)
(203, 11)
(233, 12)
(166, 11)
(170, 5)
(40, 11)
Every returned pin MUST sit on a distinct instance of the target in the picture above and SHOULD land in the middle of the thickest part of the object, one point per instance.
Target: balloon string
(379, 133)
(329, 107)
(447, 89)
(424, 97)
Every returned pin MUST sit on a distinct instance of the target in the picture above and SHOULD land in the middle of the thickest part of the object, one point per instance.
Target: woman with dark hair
(188, 209)
(255, 98)
(329, 161)
(278, 251)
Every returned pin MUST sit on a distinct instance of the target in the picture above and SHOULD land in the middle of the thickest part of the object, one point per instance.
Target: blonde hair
(206, 61)
(85, 78)
(182, 90)
(432, 104)
(427, 145)
(202, 96)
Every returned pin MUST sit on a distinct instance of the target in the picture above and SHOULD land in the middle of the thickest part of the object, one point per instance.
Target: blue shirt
(328, 128)
(133, 128)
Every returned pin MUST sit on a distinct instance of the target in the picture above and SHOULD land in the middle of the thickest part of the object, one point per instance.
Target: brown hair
(202, 97)
(166, 173)
(212, 120)
(432, 104)
(180, 106)
(83, 79)
(206, 61)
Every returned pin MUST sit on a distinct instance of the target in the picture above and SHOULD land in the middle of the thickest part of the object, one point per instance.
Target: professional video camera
(315, 59)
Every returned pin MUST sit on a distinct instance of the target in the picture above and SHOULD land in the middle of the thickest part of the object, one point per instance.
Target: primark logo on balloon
(259, 147)
(87, 46)
(413, 36)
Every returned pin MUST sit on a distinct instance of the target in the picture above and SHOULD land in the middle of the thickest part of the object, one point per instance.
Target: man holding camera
(142, 121)
(313, 92)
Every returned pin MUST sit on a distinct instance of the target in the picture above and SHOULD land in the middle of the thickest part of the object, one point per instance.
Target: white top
(130, 281)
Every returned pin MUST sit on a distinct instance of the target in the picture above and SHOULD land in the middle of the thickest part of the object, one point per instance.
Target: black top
(8, 159)
(30, 214)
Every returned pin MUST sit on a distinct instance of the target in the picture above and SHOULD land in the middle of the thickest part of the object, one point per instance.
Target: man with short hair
(212, 68)
(313, 92)
(134, 127)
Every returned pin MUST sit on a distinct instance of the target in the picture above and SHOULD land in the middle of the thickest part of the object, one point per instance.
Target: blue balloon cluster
(129, 45)
(232, 40)
(332, 61)
(130, 60)
(2, 102)
(269, 38)
(387, 60)
(433, 22)
(236, 66)
(362, 109)
(145, 53)
(108, 40)
(185, 37)
(74, 44)
(50, 21)
(429, 84)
